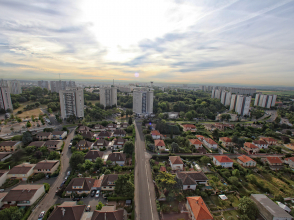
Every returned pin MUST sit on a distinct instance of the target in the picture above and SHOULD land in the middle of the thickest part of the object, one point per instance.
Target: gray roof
(270, 206)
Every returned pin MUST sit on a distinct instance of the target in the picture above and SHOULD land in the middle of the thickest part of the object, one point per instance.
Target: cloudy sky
(176, 41)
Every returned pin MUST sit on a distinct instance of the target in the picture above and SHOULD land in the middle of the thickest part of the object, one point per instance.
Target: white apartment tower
(233, 102)
(143, 101)
(5, 99)
(243, 105)
(56, 86)
(13, 85)
(265, 101)
(216, 94)
(72, 102)
(44, 84)
(108, 96)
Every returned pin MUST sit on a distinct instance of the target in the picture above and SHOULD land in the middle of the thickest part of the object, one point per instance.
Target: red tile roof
(199, 136)
(159, 143)
(210, 141)
(245, 158)
(250, 145)
(268, 139)
(195, 142)
(259, 142)
(199, 209)
(290, 158)
(189, 126)
(175, 160)
(223, 159)
(155, 132)
(162, 169)
(272, 160)
(225, 139)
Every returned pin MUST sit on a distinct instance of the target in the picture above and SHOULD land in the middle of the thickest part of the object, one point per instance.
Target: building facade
(13, 86)
(5, 99)
(44, 84)
(143, 101)
(108, 96)
(56, 86)
(265, 101)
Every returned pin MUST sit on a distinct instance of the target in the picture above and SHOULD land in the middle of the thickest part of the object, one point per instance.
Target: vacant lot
(289, 92)
(29, 113)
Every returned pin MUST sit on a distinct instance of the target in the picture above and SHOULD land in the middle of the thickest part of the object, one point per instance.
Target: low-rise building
(209, 127)
(151, 126)
(44, 136)
(98, 127)
(124, 125)
(59, 135)
(155, 135)
(88, 135)
(23, 195)
(226, 141)
(268, 209)
(82, 129)
(3, 176)
(260, 144)
(190, 179)
(223, 126)
(108, 183)
(196, 143)
(250, 148)
(119, 133)
(10, 146)
(37, 144)
(104, 134)
(2, 195)
(79, 186)
(210, 143)
(197, 209)
(159, 144)
(223, 161)
(21, 171)
(289, 161)
(246, 161)
(4, 156)
(176, 163)
(101, 143)
(84, 145)
(275, 163)
(117, 158)
(68, 211)
(200, 137)
(46, 166)
(109, 212)
(189, 127)
(269, 140)
(54, 144)
(92, 155)
(119, 143)
(111, 127)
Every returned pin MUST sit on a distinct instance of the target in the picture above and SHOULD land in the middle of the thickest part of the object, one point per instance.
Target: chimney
(63, 211)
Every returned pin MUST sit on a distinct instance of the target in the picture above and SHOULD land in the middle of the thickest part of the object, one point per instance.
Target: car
(93, 193)
(2, 190)
(88, 209)
(47, 176)
(68, 173)
(97, 193)
(66, 178)
(41, 215)
(75, 199)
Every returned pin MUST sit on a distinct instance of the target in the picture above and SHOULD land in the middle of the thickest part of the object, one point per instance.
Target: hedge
(49, 211)
(119, 198)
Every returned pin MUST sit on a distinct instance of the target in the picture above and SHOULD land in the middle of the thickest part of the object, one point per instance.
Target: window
(188, 187)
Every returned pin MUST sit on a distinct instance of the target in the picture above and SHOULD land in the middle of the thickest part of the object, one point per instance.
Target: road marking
(149, 190)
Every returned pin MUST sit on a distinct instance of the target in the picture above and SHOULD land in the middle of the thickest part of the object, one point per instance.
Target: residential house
(190, 179)
(108, 182)
(210, 143)
(109, 212)
(10, 146)
(92, 155)
(260, 144)
(88, 135)
(209, 127)
(4, 156)
(24, 195)
(151, 125)
(269, 140)
(189, 127)
(289, 161)
(3, 176)
(275, 163)
(104, 134)
(111, 127)
(117, 158)
(101, 143)
(159, 144)
(124, 125)
(54, 144)
(44, 136)
(46, 166)
(162, 169)
(37, 144)
(82, 129)
(119, 133)
(227, 142)
(200, 137)
(98, 127)
(21, 171)
(119, 143)
(250, 148)
(176, 163)
(223, 161)
(79, 186)
(269, 209)
(68, 211)
(246, 161)
(197, 209)
(84, 145)
(196, 143)
(2, 195)
(155, 135)
(223, 126)
(59, 135)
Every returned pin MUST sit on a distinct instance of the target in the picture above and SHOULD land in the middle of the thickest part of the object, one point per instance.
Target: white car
(41, 215)
(68, 173)
(97, 193)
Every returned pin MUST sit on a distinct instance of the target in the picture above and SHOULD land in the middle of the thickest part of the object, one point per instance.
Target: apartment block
(72, 102)
(5, 99)
(44, 84)
(125, 88)
(216, 94)
(243, 105)
(108, 96)
(242, 91)
(56, 86)
(233, 102)
(13, 85)
(265, 101)
(226, 97)
(143, 100)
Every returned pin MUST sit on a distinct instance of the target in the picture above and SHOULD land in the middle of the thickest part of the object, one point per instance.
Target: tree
(88, 164)
(234, 180)
(175, 147)
(122, 114)
(130, 120)
(76, 159)
(129, 148)
(205, 160)
(99, 206)
(98, 163)
(29, 124)
(107, 171)
(108, 163)
(189, 116)
(12, 213)
(53, 155)
(30, 149)
(236, 173)
(248, 207)
(124, 186)
(277, 120)
(38, 154)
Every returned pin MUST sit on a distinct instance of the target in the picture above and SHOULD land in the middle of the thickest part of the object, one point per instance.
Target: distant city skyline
(192, 42)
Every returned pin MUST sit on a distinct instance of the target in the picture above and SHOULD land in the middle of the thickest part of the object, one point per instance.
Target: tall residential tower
(143, 100)
(108, 96)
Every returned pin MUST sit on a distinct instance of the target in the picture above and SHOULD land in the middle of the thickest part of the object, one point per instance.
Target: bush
(36, 177)
(47, 187)
(118, 198)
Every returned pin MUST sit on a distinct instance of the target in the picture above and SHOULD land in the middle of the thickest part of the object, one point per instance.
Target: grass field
(266, 92)
(29, 113)
(229, 215)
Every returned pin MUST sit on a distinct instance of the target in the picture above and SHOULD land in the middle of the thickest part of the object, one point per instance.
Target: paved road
(50, 198)
(145, 208)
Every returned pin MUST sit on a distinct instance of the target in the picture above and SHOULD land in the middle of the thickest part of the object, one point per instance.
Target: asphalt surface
(145, 205)
(50, 199)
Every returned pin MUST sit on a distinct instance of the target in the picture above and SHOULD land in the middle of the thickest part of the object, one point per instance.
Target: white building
(126, 89)
(108, 96)
(44, 84)
(72, 102)
(243, 105)
(5, 99)
(233, 102)
(13, 85)
(223, 161)
(265, 101)
(143, 100)
(56, 86)
(242, 91)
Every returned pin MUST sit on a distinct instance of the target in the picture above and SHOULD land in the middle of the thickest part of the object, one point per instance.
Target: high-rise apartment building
(143, 101)
(242, 91)
(108, 96)
(243, 105)
(216, 94)
(71, 102)
(225, 97)
(13, 85)
(56, 86)
(44, 84)
(233, 102)
(265, 101)
(5, 99)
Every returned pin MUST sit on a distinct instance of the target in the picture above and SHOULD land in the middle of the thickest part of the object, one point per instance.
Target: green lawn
(229, 215)
(276, 92)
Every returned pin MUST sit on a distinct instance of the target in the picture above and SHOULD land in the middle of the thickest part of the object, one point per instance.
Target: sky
(176, 41)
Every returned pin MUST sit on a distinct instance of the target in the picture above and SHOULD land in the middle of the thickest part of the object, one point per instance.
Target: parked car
(88, 209)
(68, 173)
(41, 215)
(97, 193)
(93, 192)
(75, 199)
(66, 178)
(2, 190)
(47, 176)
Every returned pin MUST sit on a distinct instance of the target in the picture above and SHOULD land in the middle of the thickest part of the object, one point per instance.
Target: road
(50, 199)
(145, 208)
